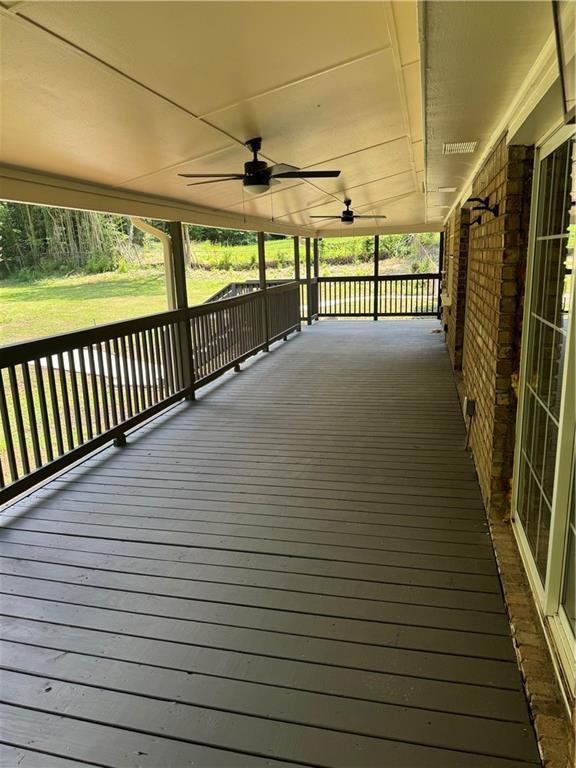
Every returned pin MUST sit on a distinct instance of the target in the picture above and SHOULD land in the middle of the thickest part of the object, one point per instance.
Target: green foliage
(222, 236)
(37, 241)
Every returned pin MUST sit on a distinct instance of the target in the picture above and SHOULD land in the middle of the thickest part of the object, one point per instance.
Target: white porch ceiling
(128, 94)
(106, 102)
(478, 54)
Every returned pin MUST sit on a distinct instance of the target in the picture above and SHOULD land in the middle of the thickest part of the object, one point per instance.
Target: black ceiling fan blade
(324, 217)
(359, 216)
(211, 175)
(308, 175)
(212, 181)
(279, 168)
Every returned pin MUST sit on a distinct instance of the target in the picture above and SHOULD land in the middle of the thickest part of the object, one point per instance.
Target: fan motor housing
(347, 216)
(256, 174)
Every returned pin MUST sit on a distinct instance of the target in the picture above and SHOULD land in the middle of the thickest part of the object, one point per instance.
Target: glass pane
(523, 488)
(550, 460)
(543, 538)
(538, 441)
(549, 301)
(546, 327)
(532, 512)
(569, 592)
(568, 275)
(545, 362)
(556, 374)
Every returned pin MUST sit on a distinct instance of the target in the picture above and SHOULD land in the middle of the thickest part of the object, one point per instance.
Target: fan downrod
(254, 145)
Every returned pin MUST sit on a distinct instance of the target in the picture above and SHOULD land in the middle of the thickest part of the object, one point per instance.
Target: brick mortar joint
(519, 599)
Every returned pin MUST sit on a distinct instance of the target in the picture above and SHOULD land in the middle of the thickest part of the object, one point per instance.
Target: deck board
(293, 570)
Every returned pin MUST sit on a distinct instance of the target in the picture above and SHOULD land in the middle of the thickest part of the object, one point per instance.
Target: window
(544, 500)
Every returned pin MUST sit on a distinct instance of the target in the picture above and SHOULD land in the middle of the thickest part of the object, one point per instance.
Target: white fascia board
(24, 186)
(353, 231)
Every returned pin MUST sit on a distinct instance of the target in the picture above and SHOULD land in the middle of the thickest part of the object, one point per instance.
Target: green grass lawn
(59, 304)
(53, 305)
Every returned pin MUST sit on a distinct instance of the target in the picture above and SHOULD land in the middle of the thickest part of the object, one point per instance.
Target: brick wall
(492, 328)
(456, 262)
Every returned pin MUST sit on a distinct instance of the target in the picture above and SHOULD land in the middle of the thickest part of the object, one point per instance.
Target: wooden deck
(294, 570)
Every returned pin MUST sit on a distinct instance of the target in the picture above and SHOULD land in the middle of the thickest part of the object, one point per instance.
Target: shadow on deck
(295, 569)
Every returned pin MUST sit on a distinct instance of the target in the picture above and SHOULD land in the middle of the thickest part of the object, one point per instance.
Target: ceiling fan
(258, 175)
(347, 216)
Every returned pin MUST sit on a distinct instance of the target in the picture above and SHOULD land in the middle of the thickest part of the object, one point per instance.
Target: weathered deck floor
(295, 569)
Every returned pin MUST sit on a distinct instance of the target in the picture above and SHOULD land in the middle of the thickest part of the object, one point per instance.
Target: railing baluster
(103, 391)
(5, 418)
(119, 371)
(43, 410)
(133, 372)
(149, 336)
(94, 389)
(159, 362)
(85, 394)
(31, 415)
(18, 418)
(110, 378)
(167, 356)
(145, 368)
(178, 362)
(127, 381)
(56, 420)
(71, 355)
(65, 401)
(138, 366)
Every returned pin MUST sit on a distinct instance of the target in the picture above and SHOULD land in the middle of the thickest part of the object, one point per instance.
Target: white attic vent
(459, 147)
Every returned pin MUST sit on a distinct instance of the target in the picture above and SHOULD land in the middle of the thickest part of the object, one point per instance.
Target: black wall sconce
(484, 205)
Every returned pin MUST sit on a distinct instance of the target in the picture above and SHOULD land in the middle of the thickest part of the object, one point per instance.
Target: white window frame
(549, 596)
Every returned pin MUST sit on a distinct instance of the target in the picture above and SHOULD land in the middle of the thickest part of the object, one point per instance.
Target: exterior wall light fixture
(484, 205)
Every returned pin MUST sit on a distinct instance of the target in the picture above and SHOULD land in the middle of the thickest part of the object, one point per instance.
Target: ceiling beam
(23, 186)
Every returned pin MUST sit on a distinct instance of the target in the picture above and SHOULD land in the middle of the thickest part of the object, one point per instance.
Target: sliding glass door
(544, 502)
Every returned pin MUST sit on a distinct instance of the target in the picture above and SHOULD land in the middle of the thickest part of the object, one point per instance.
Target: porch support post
(376, 274)
(263, 287)
(440, 270)
(184, 331)
(296, 258)
(308, 283)
(297, 274)
(315, 286)
(144, 226)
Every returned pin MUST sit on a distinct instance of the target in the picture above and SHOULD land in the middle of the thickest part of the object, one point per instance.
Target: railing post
(308, 282)
(263, 287)
(184, 331)
(315, 287)
(440, 269)
(376, 274)
(297, 273)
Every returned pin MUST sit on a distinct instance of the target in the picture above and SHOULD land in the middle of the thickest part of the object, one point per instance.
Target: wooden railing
(249, 286)
(62, 397)
(385, 296)
(415, 295)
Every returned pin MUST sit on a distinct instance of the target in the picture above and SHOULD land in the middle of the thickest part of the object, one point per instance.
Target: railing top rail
(284, 286)
(198, 310)
(23, 351)
(380, 278)
(203, 309)
(413, 276)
